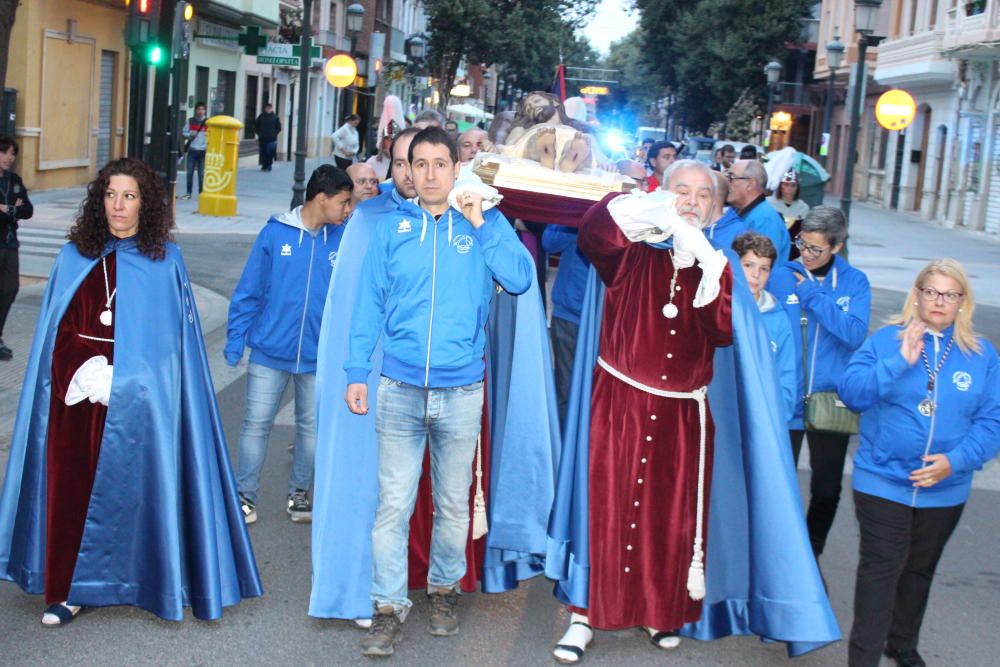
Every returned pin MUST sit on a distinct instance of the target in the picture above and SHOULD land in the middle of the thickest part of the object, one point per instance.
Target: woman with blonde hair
(928, 388)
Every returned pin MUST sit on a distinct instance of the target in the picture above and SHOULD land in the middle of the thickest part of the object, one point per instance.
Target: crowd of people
(638, 447)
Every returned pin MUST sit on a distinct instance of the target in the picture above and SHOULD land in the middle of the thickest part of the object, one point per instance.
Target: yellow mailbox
(221, 156)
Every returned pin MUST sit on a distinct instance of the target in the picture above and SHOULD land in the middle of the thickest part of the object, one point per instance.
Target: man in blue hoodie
(425, 289)
(276, 311)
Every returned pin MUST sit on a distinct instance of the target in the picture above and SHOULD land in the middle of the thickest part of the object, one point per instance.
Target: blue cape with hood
(164, 529)
(524, 441)
(761, 576)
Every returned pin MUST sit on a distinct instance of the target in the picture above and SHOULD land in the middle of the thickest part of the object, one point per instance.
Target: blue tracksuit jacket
(895, 436)
(837, 309)
(277, 306)
(426, 286)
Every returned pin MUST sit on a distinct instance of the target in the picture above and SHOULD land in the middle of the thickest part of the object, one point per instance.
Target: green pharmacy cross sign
(314, 51)
(251, 40)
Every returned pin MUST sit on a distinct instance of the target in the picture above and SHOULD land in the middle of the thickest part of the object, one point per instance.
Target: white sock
(665, 642)
(52, 619)
(579, 635)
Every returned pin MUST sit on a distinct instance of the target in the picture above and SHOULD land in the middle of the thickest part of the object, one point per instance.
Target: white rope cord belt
(103, 340)
(696, 573)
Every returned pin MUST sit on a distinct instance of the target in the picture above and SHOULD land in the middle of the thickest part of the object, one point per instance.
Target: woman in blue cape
(118, 488)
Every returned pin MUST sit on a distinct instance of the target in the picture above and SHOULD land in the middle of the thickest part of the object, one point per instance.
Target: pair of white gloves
(92, 381)
(652, 217)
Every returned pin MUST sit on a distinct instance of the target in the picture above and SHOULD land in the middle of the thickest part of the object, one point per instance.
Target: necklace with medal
(106, 316)
(928, 406)
(669, 309)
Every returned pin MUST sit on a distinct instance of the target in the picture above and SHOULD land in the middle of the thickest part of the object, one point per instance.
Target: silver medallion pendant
(106, 318)
(670, 311)
(927, 407)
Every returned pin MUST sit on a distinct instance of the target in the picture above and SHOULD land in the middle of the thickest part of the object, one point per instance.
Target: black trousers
(563, 350)
(343, 162)
(900, 549)
(827, 452)
(9, 282)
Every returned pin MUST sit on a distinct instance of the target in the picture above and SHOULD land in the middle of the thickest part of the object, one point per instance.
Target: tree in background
(740, 118)
(526, 37)
(710, 51)
(8, 11)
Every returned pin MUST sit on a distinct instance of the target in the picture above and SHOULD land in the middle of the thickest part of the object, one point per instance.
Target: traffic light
(142, 31)
(183, 15)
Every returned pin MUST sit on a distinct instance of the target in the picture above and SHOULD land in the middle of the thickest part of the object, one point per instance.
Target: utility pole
(305, 58)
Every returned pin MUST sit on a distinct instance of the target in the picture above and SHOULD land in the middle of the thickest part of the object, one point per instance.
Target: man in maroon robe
(667, 306)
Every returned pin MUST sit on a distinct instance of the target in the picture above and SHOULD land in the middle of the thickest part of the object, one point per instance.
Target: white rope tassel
(696, 573)
(480, 525)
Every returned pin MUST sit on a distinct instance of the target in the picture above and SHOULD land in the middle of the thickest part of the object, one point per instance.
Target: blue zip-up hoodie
(571, 279)
(277, 306)
(780, 334)
(837, 309)
(426, 286)
(881, 385)
(724, 231)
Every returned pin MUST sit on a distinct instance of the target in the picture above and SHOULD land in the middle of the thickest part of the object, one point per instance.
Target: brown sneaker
(384, 632)
(444, 613)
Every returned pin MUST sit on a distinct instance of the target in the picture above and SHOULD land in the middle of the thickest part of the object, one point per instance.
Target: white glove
(645, 216)
(471, 183)
(92, 380)
(690, 244)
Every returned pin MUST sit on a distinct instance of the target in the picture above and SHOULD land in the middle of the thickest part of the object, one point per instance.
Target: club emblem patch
(463, 243)
(962, 380)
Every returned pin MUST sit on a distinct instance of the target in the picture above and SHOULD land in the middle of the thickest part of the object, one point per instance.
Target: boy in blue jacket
(276, 311)
(425, 289)
(757, 256)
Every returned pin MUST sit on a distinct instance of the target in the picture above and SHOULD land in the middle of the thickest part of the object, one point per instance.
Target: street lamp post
(355, 19)
(834, 57)
(416, 46)
(772, 71)
(299, 187)
(865, 13)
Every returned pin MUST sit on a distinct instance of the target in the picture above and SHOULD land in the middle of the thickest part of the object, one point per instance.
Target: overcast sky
(610, 23)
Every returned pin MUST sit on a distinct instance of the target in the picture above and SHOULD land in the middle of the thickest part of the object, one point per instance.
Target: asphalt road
(517, 628)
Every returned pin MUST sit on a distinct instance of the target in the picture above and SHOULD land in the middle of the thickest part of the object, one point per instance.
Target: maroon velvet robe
(74, 438)
(644, 448)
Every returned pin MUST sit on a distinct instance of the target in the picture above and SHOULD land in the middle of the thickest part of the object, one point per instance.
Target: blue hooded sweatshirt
(277, 306)
(571, 279)
(895, 436)
(426, 287)
(837, 310)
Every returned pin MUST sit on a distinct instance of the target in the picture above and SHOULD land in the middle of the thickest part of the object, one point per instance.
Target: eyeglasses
(931, 294)
(807, 249)
(730, 176)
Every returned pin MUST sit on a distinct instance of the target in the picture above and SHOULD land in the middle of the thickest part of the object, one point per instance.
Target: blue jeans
(406, 418)
(264, 389)
(195, 162)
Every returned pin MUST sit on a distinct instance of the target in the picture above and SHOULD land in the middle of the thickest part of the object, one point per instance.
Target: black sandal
(62, 612)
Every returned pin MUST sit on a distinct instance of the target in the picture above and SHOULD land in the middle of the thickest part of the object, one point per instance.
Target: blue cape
(164, 529)
(523, 448)
(762, 581)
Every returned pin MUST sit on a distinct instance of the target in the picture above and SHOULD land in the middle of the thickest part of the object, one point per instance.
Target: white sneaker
(249, 509)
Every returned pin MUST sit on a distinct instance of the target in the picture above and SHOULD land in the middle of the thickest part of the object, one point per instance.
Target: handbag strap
(808, 369)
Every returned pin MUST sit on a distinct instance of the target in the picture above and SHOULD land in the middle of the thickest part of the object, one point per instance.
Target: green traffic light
(155, 54)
